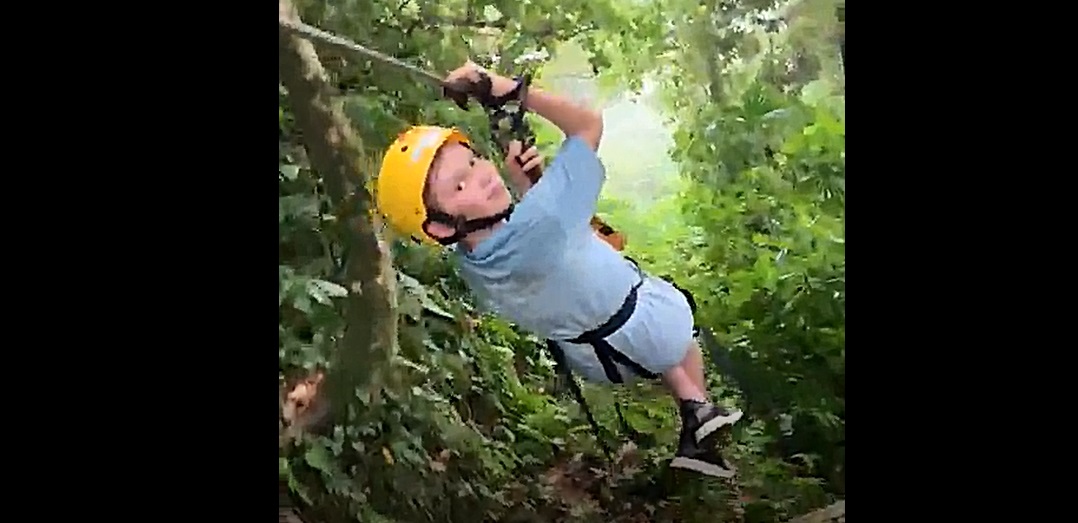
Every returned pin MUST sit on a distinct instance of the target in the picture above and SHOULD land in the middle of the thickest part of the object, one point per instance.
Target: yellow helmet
(399, 192)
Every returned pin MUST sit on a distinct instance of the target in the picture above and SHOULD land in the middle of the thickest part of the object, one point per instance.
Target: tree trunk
(362, 357)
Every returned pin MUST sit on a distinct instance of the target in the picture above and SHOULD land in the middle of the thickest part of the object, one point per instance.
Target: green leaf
(290, 172)
(429, 305)
(317, 456)
(303, 303)
(330, 288)
(295, 486)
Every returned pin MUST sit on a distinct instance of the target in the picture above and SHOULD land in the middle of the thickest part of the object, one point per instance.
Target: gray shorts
(657, 335)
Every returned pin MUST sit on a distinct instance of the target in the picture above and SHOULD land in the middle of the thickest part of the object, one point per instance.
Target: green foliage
(475, 426)
(757, 233)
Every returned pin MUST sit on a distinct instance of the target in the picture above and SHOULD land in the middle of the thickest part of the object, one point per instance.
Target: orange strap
(608, 234)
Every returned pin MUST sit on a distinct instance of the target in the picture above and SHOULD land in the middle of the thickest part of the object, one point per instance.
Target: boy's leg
(701, 421)
(659, 336)
(687, 385)
(694, 365)
(683, 386)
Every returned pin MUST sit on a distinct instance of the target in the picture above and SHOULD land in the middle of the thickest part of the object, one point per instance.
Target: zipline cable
(315, 33)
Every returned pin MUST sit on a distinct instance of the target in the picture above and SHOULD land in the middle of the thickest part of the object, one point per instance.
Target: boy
(539, 264)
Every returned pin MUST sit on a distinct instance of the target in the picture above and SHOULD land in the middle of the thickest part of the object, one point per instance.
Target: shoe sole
(703, 467)
(712, 425)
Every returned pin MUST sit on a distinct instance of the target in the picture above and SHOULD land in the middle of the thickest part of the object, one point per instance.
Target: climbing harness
(608, 357)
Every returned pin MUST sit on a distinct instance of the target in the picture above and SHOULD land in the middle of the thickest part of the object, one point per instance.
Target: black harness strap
(562, 368)
(688, 297)
(608, 356)
(461, 226)
(604, 351)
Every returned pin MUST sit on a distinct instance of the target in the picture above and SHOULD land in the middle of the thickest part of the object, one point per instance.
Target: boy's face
(462, 184)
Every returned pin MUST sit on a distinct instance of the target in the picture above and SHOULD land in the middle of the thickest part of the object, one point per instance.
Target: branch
(835, 511)
(336, 153)
(469, 21)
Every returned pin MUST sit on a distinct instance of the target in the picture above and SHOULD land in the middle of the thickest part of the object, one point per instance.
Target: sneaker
(706, 460)
(704, 419)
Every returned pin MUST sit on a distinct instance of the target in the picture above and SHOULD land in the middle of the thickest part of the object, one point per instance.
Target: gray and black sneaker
(699, 445)
(705, 460)
(704, 419)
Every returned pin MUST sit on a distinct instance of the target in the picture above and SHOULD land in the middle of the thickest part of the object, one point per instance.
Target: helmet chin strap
(462, 227)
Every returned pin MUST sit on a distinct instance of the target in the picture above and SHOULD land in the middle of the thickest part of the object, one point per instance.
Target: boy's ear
(439, 230)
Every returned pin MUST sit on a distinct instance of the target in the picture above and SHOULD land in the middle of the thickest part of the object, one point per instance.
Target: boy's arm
(575, 177)
(570, 185)
(572, 182)
(573, 119)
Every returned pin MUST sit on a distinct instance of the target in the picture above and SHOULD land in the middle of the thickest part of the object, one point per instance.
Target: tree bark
(363, 355)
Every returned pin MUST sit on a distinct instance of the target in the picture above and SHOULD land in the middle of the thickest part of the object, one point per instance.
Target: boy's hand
(531, 159)
(469, 72)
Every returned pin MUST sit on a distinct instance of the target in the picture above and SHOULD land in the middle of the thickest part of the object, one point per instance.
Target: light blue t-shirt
(545, 269)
